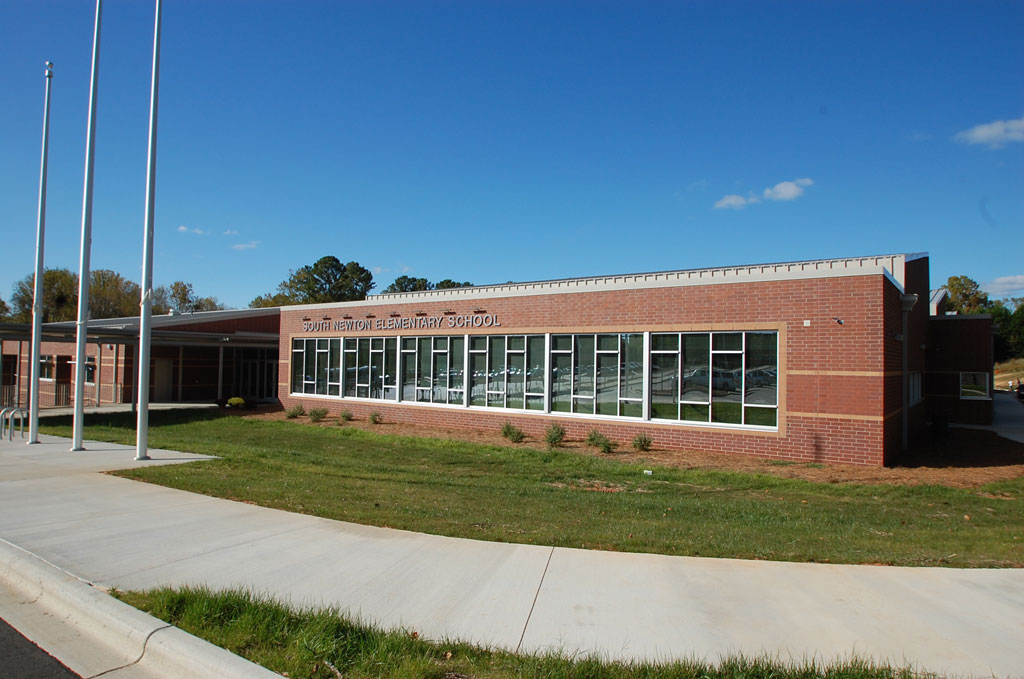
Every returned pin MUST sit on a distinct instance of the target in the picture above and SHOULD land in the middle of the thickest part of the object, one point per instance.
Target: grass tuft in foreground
(323, 645)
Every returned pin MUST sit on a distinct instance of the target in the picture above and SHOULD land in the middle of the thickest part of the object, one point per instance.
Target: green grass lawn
(325, 645)
(560, 498)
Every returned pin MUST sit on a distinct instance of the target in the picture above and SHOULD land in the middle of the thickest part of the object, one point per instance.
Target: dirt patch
(961, 458)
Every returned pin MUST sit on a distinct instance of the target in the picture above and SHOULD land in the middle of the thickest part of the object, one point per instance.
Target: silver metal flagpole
(145, 318)
(37, 296)
(83, 267)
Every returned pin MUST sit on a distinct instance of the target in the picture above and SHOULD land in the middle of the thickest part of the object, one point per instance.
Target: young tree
(60, 296)
(966, 296)
(111, 295)
(5, 311)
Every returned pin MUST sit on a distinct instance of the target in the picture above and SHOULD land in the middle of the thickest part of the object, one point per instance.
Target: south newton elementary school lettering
(414, 323)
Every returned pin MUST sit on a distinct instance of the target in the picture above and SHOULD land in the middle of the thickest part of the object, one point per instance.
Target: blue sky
(495, 141)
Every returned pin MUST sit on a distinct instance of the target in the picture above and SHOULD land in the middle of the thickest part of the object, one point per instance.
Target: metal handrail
(7, 415)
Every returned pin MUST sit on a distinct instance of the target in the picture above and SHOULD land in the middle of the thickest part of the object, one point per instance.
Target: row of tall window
(723, 377)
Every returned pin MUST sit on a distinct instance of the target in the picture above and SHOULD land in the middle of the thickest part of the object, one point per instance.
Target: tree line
(965, 296)
(111, 295)
(328, 280)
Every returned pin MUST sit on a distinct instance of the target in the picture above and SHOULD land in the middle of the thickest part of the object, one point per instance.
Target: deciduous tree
(326, 280)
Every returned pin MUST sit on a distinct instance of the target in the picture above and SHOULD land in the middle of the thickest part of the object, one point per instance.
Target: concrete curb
(93, 633)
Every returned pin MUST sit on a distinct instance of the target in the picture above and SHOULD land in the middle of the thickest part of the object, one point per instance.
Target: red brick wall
(958, 344)
(834, 395)
(111, 376)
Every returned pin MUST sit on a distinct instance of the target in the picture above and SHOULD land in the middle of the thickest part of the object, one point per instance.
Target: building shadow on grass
(962, 448)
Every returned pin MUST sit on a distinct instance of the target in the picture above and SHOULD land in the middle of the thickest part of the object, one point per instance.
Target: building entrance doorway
(163, 378)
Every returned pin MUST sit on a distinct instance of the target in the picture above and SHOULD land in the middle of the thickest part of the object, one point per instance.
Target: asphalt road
(21, 659)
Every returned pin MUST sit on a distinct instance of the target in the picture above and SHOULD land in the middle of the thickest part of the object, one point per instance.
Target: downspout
(908, 302)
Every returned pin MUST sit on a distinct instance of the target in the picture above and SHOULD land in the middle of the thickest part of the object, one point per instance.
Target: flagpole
(83, 267)
(145, 317)
(37, 296)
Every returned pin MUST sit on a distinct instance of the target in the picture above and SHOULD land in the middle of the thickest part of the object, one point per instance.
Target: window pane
(535, 403)
(726, 377)
(440, 393)
(423, 374)
(516, 343)
(496, 365)
(478, 379)
(390, 359)
(631, 409)
(632, 366)
(350, 344)
(561, 382)
(377, 374)
(377, 343)
(348, 369)
(363, 362)
(516, 381)
(607, 384)
(762, 417)
(321, 345)
(408, 376)
(478, 343)
(334, 372)
(725, 388)
(310, 368)
(583, 405)
(696, 373)
(973, 385)
(321, 372)
(664, 386)
(561, 343)
(665, 342)
(298, 359)
(607, 342)
(761, 374)
(727, 341)
(456, 357)
(440, 343)
(693, 413)
(535, 364)
(583, 366)
(408, 344)
(455, 396)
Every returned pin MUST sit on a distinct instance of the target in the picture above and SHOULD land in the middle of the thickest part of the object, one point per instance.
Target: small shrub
(345, 416)
(376, 418)
(512, 433)
(599, 441)
(236, 402)
(317, 414)
(554, 435)
(295, 411)
(642, 442)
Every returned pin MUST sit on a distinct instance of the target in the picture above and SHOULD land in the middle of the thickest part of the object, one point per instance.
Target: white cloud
(185, 229)
(734, 201)
(920, 136)
(251, 245)
(1006, 286)
(231, 232)
(994, 135)
(787, 190)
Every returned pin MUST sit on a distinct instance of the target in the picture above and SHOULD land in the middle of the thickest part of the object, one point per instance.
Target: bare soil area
(960, 458)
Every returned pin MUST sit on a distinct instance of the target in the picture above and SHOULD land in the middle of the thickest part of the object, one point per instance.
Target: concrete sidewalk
(115, 532)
